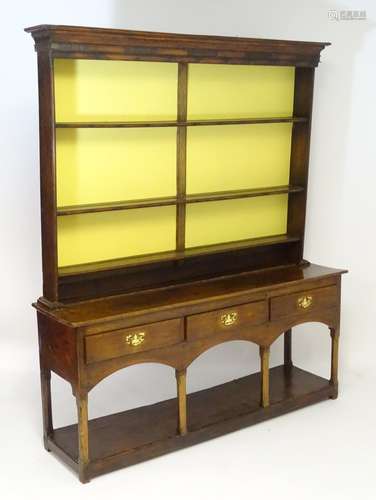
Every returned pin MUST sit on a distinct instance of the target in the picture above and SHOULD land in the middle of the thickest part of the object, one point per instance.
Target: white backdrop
(324, 450)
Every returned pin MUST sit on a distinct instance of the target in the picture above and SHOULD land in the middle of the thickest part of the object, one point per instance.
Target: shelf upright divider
(181, 155)
(47, 148)
(299, 160)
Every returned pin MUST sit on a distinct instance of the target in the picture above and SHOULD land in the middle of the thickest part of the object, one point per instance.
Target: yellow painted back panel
(225, 91)
(100, 165)
(111, 235)
(227, 157)
(223, 221)
(114, 90)
(103, 165)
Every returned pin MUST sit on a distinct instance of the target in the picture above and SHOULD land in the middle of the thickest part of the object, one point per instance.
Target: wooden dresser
(174, 175)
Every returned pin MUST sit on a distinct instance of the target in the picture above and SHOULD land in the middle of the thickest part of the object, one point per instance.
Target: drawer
(226, 320)
(133, 340)
(303, 302)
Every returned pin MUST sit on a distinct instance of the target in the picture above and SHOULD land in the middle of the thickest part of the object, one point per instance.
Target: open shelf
(138, 260)
(124, 438)
(173, 200)
(99, 240)
(185, 123)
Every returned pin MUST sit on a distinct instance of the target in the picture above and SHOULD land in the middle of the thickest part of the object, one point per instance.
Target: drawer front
(133, 340)
(303, 302)
(226, 320)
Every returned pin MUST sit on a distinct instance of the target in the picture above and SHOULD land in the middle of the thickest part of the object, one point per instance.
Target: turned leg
(264, 355)
(287, 350)
(83, 436)
(45, 381)
(334, 333)
(181, 376)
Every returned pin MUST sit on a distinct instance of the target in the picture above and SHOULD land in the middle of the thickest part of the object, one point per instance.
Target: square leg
(181, 377)
(264, 355)
(334, 333)
(45, 380)
(287, 349)
(83, 436)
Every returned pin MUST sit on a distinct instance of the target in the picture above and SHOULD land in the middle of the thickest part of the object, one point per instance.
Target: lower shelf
(135, 435)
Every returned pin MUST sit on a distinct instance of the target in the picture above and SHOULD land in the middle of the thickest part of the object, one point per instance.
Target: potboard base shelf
(139, 434)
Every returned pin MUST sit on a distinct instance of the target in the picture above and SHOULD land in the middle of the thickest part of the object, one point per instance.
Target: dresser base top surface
(263, 282)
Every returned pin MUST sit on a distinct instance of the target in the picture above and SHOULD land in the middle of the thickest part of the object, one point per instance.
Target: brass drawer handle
(135, 339)
(305, 302)
(229, 319)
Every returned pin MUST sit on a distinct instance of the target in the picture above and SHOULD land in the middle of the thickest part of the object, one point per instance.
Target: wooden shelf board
(173, 200)
(141, 433)
(176, 123)
(107, 265)
(116, 205)
(242, 193)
